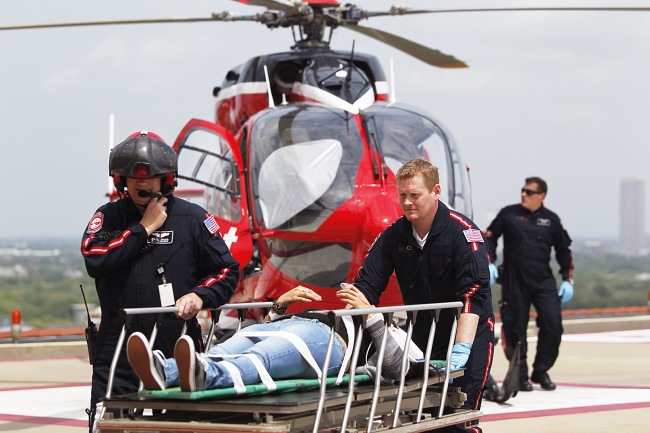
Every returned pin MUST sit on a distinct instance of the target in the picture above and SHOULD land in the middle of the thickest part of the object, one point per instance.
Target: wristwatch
(277, 309)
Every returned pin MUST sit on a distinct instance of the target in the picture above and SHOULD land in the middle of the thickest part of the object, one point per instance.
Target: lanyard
(161, 271)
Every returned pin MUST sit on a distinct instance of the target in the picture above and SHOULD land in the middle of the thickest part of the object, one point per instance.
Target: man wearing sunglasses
(529, 232)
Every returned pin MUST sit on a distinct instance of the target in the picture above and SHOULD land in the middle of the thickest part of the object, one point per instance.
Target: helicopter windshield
(304, 161)
(402, 133)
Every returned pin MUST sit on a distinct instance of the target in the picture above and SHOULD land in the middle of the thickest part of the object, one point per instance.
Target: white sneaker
(190, 378)
(147, 364)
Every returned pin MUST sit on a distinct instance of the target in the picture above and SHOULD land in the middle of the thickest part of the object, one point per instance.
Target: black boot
(543, 379)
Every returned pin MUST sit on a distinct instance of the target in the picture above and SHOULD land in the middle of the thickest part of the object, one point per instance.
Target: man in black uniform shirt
(438, 255)
(151, 249)
(529, 231)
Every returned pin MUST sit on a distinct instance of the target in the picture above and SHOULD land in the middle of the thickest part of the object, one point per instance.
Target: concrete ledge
(602, 324)
(67, 349)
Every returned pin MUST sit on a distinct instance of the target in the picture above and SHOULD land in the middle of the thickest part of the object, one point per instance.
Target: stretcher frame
(362, 407)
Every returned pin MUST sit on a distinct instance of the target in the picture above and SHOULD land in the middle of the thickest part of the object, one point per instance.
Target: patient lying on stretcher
(285, 347)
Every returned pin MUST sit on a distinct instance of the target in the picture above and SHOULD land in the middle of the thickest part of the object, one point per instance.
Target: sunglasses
(529, 191)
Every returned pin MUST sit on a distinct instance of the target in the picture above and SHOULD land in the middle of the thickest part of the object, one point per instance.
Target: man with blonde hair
(438, 255)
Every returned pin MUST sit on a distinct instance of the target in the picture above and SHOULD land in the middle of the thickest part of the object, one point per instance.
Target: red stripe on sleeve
(212, 280)
(87, 250)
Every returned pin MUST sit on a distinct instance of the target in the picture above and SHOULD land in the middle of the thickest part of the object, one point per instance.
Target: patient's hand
(353, 297)
(298, 294)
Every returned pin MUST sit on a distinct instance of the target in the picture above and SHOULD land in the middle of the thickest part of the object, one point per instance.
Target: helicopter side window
(404, 135)
(208, 175)
(435, 150)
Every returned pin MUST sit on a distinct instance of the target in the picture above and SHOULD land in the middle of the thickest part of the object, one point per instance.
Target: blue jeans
(280, 357)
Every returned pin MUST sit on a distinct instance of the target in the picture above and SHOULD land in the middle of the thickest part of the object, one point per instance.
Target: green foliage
(44, 302)
(605, 281)
(46, 284)
(611, 281)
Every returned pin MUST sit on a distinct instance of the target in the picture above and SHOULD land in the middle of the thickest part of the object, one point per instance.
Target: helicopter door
(210, 173)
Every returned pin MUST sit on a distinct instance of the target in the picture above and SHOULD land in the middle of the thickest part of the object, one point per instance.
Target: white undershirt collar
(419, 240)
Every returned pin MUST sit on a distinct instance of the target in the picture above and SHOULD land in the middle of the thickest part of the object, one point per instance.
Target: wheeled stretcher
(352, 402)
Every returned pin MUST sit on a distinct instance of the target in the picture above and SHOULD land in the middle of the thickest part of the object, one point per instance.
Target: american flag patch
(473, 235)
(211, 224)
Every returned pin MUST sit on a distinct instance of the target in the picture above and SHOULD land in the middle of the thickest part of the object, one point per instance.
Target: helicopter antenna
(392, 97)
(349, 76)
(293, 34)
(268, 87)
(111, 144)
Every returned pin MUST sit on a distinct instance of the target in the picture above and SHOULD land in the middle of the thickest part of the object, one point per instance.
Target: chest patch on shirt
(161, 238)
(473, 235)
(96, 223)
(544, 222)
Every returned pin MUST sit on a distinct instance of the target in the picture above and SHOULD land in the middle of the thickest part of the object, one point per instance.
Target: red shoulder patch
(96, 223)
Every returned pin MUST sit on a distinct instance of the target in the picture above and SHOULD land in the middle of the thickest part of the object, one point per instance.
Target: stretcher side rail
(374, 406)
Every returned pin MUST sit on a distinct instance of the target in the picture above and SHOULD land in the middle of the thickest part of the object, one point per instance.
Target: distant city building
(632, 239)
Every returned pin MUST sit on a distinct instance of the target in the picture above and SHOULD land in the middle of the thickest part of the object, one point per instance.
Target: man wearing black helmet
(151, 249)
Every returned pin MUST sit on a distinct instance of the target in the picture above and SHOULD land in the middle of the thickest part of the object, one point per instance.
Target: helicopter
(299, 165)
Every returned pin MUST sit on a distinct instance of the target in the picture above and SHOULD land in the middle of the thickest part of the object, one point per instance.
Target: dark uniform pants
(519, 291)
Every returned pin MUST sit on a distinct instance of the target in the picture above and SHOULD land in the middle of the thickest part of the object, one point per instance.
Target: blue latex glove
(566, 291)
(459, 355)
(494, 273)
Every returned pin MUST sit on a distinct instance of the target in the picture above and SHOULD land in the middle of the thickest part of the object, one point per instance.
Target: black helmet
(143, 155)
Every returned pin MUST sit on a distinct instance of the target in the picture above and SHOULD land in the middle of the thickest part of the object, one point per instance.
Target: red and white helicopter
(299, 165)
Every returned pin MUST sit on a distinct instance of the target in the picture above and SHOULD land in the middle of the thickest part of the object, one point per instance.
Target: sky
(560, 95)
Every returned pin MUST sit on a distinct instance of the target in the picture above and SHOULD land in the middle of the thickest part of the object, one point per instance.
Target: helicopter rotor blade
(528, 9)
(398, 10)
(109, 23)
(282, 5)
(265, 18)
(437, 58)
(426, 54)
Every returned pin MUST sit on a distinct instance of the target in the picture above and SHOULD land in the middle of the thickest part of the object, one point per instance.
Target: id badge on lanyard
(165, 289)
